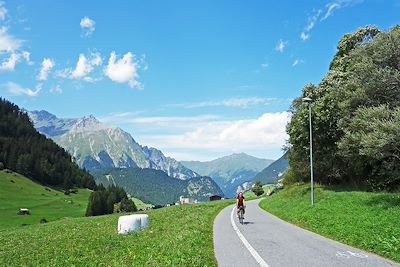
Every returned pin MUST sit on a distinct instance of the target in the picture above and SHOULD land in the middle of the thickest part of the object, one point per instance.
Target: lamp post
(308, 101)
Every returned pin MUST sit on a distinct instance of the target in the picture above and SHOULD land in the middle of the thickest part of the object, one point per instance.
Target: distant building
(23, 212)
(215, 197)
(186, 200)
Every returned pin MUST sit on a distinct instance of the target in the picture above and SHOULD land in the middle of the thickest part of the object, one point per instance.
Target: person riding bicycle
(240, 203)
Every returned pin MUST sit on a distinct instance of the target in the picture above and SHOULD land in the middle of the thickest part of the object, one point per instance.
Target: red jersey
(240, 200)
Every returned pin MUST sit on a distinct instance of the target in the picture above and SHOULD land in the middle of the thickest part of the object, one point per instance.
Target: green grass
(17, 192)
(177, 236)
(361, 219)
(249, 195)
(140, 204)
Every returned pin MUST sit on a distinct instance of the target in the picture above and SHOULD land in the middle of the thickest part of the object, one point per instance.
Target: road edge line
(246, 243)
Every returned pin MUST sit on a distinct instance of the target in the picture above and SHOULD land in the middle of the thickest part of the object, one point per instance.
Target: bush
(257, 189)
(43, 220)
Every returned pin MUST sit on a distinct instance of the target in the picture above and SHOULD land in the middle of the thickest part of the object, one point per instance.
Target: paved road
(265, 240)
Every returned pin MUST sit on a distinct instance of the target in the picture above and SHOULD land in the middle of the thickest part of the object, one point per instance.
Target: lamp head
(307, 100)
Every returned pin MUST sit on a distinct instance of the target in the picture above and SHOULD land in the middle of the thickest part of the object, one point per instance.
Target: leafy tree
(258, 189)
(355, 115)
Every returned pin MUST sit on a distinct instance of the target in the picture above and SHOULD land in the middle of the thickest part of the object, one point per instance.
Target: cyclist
(240, 203)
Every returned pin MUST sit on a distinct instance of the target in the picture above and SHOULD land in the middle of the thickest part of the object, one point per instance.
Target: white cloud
(267, 132)
(8, 43)
(9, 64)
(84, 66)
(310, 25)
(124, 70)
(330, 8)
(16, 89)
(3, 11)
(87, 26)
(325, 13)
(194, 137)
(239, 102)
(297, 62)
(304, 36)
(281, 46)
(56, 89)
(27, 56)
(47, 65)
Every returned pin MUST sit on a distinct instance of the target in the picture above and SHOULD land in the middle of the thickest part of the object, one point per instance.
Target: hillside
(231, 171)
(17, 191)
(24, 150)
(177, 236)
(272, 173)
(155, 186)
(361, 219)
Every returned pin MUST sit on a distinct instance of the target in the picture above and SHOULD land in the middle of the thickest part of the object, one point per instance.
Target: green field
(17, 192)
(177, 236)
(140, 204)
(361, 219)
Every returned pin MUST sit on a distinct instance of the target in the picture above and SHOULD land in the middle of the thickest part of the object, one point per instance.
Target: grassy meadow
(17, 192)
(177, 236)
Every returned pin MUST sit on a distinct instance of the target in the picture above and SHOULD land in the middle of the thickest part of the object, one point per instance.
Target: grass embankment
(361, 219)
(177, 236)
(17, 192)
(249, 195)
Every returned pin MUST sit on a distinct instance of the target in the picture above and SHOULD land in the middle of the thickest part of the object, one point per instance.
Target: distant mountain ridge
(231, 171)
(269, 175)
(156, 187)
(95, 145)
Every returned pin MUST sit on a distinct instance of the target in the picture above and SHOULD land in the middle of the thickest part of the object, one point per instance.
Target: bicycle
(241, 214)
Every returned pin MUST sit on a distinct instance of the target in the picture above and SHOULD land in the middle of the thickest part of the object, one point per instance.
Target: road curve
(265, 240)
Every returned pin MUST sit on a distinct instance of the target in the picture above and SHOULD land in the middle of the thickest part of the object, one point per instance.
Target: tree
(128, 205)
(258, 189)
(355, 115)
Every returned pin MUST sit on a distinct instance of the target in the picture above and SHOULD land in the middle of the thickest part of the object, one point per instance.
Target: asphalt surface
(265, 240)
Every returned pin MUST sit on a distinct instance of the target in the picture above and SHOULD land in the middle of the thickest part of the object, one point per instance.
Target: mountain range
(95, 145)
(155, 186)
(230, 172)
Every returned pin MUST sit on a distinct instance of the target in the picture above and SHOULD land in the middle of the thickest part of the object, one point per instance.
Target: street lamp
(308, 101)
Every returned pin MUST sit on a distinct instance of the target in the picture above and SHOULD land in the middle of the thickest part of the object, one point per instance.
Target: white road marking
(252, 251)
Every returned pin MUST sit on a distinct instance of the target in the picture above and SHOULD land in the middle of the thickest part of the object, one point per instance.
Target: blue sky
(197, 79)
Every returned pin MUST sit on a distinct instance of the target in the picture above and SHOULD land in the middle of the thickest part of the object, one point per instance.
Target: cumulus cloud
(267, 132)
(281, 46)
(123, 70)
(47, 65)
(16, 89)
(87, 26)
(85, 65)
